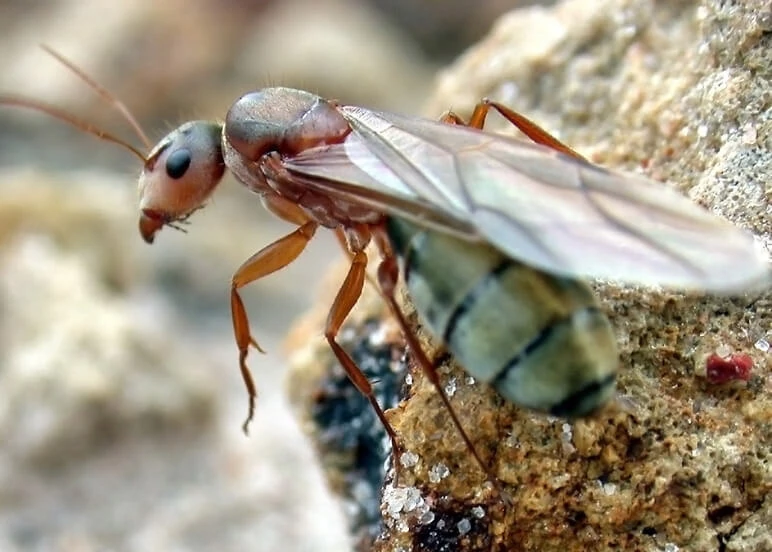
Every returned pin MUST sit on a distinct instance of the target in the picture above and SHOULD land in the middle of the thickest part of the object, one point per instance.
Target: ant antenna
(62, 115)
(105, 94)
(85, 126)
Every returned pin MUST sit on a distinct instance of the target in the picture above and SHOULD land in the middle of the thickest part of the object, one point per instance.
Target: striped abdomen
(540, 340)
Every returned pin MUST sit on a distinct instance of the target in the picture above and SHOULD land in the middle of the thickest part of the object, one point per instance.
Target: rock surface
(679, 91)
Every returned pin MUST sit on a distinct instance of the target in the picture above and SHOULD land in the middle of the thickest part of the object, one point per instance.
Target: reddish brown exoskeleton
(493, 232)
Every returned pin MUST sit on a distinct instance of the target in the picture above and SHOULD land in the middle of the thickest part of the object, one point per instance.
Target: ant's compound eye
(177, 163)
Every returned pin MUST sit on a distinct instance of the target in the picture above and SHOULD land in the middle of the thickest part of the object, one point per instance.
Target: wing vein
(615, 221)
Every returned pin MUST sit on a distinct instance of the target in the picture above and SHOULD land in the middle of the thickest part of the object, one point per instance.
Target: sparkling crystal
(464, 526)
(438, 473)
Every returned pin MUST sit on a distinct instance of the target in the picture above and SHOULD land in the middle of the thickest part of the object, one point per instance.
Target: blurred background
(120, 398)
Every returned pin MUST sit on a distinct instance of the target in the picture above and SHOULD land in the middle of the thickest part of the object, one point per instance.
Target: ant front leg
(269, 259)
(523, 123)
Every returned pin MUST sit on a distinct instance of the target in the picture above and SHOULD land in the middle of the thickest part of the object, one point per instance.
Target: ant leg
(341, 237)
(451, 118)
(347, 297)
(388, 276)
(524, 124)
(271, 258)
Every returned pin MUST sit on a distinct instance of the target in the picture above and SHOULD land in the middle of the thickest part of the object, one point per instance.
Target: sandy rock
(678, 91)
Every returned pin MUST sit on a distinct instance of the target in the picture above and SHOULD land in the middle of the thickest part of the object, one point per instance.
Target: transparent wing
(548, 210)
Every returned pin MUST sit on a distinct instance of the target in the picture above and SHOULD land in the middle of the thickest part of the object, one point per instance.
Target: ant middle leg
(344, 302)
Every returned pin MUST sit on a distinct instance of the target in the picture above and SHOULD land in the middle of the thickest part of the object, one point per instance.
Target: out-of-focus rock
(341, 49)
(177, 61)
(150, 54)
(445, 28)
(122, 404)
(89, 211)
(679, 91)
(81, 365)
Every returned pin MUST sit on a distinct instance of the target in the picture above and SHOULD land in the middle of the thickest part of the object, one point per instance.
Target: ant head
(179, 175)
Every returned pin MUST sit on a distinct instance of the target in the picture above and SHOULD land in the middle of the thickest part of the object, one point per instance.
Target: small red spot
(736, 366)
